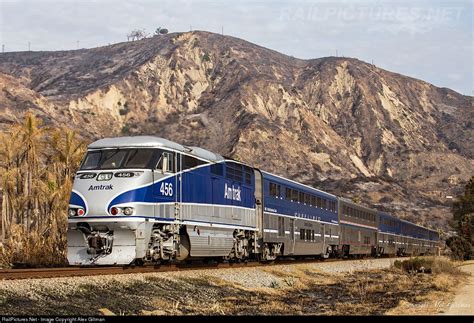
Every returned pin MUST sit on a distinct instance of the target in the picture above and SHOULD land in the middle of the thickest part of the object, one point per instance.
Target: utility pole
(29, 46)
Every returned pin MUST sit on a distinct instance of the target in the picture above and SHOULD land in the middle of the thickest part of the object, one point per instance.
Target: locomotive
(145, 199)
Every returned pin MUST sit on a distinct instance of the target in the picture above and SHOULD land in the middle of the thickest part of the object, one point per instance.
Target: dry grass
(444, 277)
(435, 265)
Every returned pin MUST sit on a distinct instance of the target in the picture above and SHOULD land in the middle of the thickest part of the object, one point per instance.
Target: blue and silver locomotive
(147, 199)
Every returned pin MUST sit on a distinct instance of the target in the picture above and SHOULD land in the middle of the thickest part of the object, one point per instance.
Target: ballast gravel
(252, 277)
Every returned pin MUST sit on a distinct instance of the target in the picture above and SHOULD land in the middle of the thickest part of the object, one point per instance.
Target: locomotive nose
(93, 191)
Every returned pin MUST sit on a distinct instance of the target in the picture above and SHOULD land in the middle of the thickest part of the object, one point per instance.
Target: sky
(427, 39)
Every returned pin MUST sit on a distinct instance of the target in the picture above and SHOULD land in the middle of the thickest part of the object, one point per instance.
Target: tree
(463, 222)
(161, 31)
(36, 166)
(137, 34)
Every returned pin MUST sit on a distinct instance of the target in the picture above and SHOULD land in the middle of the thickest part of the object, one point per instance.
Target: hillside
(346, 126)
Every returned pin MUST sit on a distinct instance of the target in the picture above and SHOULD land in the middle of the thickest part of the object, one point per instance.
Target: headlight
(104, 176)
(128, 211)
(74, 212)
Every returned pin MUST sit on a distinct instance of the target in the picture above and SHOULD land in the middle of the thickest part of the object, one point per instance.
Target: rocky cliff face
(348, 127)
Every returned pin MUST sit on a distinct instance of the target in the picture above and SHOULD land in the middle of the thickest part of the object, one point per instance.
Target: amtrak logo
(232, 193)
(101, 187)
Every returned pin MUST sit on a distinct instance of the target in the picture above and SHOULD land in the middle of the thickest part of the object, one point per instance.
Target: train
(146, 199)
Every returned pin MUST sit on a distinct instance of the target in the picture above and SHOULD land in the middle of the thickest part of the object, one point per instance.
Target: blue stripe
(229, 224)
(120, 217)
(355, 225)
(77, 200)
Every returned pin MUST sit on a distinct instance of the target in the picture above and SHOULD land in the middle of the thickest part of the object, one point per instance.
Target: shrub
(433, 265)
(460, 247)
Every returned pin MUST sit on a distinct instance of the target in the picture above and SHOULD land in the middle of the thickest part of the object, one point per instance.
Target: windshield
(118, 158)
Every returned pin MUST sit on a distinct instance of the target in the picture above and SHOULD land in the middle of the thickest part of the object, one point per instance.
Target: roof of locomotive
(153, 142)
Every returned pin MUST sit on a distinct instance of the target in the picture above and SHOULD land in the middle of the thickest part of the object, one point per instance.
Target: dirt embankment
(463, 303)
(359, 287)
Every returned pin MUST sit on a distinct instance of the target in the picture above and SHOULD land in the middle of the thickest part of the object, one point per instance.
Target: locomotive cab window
(92, 160)
(113, 159)
(118, 158)
(139, 158)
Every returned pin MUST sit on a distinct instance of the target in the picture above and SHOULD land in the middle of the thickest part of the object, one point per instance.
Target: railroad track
(30, 273)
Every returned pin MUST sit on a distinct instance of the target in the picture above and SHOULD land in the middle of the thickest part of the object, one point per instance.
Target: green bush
(460, 247)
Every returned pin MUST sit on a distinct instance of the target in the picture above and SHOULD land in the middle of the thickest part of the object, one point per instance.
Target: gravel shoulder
(252, 277)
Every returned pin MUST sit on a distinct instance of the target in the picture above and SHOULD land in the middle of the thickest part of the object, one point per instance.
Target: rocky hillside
(387, 140)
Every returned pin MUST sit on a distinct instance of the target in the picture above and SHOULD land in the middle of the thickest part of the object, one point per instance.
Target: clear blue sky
(430, 40)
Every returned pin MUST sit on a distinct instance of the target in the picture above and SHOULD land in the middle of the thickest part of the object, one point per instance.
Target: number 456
(166, 189)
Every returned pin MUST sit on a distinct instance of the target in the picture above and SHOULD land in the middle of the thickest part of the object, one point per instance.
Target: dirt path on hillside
(463, 303)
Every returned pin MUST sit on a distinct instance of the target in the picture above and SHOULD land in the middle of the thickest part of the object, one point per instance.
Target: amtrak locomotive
(147, 199)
